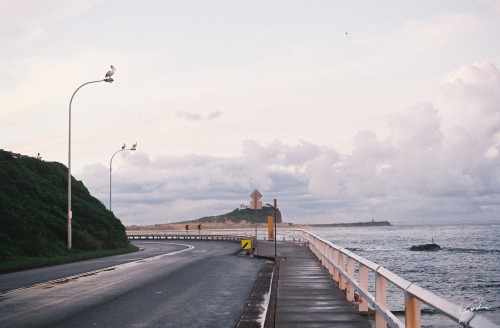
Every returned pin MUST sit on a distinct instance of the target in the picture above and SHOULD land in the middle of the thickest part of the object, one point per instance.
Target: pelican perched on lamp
(110, 73)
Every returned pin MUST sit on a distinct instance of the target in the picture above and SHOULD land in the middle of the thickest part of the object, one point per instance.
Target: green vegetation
(239, 215)
(33, 212)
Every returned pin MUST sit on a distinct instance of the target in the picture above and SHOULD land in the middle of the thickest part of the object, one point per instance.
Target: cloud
(495, 4)
(469, 102)
(440, 161)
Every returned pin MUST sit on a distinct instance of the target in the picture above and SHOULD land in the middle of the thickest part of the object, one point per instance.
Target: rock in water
(426, 247)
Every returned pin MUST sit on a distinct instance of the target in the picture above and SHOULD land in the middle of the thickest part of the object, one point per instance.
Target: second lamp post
(134, 147)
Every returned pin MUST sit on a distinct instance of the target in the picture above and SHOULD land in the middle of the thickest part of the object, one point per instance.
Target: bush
(33, 211)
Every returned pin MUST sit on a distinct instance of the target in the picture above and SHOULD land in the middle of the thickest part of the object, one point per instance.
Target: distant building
(244, 207)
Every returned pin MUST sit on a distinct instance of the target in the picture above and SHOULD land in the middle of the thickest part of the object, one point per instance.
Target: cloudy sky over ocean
(342, 110)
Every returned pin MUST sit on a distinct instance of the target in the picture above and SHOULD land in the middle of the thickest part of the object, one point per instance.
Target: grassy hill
(33, 212)
(240, 215)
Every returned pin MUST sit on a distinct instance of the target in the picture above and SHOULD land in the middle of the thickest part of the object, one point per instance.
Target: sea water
(466, 270)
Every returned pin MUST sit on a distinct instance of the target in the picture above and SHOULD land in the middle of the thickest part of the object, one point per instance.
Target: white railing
(341, 264)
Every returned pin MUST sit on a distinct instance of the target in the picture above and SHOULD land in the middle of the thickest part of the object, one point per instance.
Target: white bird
(135, 145)
(110, 73)
(123, 147)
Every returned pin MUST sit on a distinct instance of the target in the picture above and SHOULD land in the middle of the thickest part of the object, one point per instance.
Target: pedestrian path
(304, 294)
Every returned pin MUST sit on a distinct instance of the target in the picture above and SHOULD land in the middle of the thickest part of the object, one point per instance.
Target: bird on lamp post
(110, 73)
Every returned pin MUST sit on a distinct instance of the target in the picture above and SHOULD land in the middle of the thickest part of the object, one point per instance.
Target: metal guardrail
(341, 264)
(185, 237)
(242, 232)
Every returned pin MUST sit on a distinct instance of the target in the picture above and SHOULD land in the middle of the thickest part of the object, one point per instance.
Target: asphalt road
(169, 284)
(30, 277)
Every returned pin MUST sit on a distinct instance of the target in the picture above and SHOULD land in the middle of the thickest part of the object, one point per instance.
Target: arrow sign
(246, 244)
(255, 204)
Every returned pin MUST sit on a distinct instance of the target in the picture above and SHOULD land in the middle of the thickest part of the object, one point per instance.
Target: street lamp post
(70, 214)
(110, 164)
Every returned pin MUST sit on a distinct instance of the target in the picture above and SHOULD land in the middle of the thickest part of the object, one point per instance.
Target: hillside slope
(240, 215)
(33, 211)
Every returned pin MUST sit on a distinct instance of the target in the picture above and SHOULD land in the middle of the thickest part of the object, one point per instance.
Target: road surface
(179, 284)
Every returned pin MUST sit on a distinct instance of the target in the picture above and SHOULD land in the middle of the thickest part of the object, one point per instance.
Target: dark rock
(426, 247)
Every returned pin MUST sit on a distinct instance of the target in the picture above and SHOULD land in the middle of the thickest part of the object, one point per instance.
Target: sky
(343, 111)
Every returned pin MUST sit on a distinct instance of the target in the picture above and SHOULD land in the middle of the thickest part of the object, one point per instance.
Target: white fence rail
(341, 264)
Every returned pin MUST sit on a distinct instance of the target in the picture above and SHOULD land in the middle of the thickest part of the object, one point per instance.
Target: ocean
(466, 270)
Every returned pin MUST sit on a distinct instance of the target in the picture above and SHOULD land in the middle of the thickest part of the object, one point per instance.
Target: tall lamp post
(70, 214)
(134, 147)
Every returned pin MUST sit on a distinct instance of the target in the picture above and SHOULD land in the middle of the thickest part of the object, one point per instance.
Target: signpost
(275, 210)
(187, 228)
(199, 229)
(257, 205)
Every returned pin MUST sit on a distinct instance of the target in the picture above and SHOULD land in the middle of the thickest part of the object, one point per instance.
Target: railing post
(342, 284)
(336, 262)
(413, 307)
(330, 257)
(323, 259)
(380, 298)
(320, 251)
(350, 274)
(363, 284)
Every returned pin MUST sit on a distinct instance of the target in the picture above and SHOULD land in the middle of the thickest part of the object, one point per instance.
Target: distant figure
(38, 156)
(124, 145)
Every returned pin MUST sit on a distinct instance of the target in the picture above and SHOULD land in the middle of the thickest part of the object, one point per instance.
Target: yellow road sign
(270, 228)
(187, 226)
(246, 244)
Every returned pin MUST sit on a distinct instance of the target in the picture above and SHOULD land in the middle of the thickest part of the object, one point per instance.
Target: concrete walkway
(304, 294)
